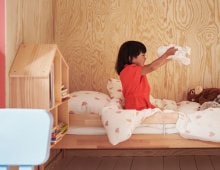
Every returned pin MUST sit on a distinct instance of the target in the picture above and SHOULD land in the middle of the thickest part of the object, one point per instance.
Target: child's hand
(170, 51)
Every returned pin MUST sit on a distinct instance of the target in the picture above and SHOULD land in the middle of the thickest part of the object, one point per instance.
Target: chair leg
(4, 167)
(26, 168)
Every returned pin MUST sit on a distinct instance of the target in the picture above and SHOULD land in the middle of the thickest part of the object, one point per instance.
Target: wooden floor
(137, 163)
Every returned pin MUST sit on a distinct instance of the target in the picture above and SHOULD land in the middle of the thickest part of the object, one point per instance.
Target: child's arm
(158, 62)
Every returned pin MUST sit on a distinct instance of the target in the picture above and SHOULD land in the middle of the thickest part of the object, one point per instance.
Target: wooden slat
(57, 71)
(85, 120)
(94, 120)
(161, 117)
(136, 141)
(63, 108)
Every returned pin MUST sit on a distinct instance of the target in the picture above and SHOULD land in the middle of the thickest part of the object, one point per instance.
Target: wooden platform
(155, 141)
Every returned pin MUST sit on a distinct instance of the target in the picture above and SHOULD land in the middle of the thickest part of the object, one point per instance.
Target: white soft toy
(180, 55)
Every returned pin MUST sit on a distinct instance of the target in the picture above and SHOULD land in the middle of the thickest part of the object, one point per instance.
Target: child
(132, 71)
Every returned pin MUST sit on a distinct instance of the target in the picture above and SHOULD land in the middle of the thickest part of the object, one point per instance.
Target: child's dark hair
(128, 51)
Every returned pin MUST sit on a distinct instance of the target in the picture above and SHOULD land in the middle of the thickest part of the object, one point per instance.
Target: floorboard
(203, 163)
(124, 163)
(107, 163)
(147, 163)
(187, 163)
(215, 162)
(136, 163)
(171, 163)
(76, 164)
(59, 164)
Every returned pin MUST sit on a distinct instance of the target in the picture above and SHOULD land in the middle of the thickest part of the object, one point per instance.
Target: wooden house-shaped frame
(39, 78)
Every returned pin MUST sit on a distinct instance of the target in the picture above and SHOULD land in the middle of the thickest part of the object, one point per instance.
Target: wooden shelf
(36, 77)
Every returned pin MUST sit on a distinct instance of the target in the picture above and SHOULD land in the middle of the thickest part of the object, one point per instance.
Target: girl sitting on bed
(132, 71)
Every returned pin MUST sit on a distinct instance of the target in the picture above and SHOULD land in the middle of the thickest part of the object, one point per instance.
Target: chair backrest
(25, 136)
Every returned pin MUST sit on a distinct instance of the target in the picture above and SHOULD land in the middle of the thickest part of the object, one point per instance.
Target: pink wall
(2, 53)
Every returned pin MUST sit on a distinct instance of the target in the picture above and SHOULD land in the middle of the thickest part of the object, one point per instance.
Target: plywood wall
(26, 22)
(90, 32)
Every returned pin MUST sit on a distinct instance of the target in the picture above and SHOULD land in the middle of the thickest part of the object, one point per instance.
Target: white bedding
(202, 125)
(120, 124)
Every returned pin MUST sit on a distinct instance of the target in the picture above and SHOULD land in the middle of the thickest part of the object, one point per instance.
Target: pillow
(114, 88)
(87, 102)
(187, 106)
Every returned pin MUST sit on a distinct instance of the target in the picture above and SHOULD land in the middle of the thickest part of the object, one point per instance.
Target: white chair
(25, 136)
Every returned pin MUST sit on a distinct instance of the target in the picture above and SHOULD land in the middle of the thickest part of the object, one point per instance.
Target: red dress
(136, 89)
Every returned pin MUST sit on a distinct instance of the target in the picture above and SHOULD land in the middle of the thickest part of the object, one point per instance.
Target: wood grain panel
(90, 33)
(21, 98)
(26, 21)
(37, 21)
(13, 36)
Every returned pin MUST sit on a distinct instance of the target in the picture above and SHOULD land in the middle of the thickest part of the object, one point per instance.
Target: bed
(91, 119)
(136, 141)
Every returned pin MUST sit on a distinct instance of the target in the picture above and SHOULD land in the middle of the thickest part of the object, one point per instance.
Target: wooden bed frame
(137, 141)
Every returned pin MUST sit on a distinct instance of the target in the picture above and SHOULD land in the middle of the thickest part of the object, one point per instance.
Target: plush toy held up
(200, 95)
(181, 54)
